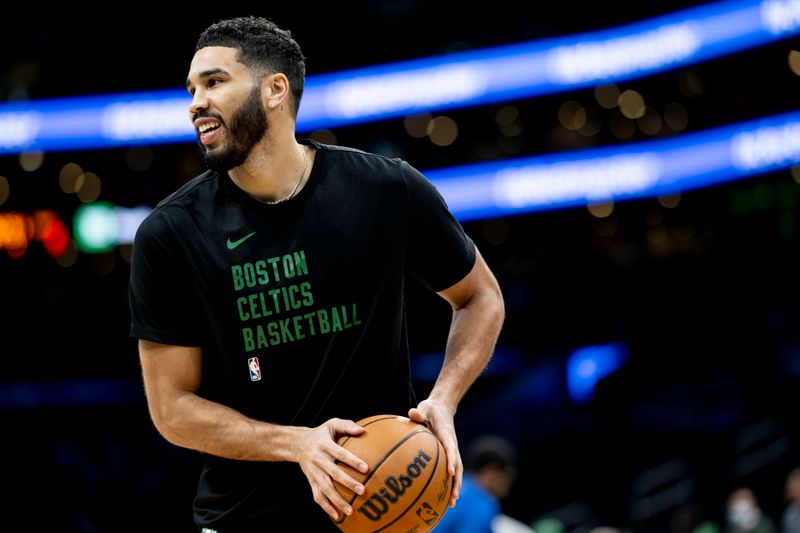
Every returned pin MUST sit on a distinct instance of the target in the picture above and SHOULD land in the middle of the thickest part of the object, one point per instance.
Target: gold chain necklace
(302, 173)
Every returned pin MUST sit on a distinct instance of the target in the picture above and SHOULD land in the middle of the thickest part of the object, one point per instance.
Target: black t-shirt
(299, 308)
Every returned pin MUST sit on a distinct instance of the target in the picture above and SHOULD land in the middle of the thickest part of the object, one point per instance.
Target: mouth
(208, 129)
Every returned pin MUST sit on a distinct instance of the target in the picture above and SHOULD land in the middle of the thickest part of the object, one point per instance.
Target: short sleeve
(440, 251)
(163, 306)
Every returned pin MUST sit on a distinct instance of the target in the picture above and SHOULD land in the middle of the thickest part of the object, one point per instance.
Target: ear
(275, 90)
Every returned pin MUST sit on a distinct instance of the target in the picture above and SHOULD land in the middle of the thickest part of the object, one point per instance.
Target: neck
(273, 170)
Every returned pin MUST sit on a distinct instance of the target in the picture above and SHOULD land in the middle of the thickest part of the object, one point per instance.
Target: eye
(213, 81)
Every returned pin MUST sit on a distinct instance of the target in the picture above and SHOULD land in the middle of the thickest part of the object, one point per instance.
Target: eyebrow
(208, 73)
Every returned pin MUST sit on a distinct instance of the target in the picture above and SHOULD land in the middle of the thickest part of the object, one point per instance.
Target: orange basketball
(407, 488)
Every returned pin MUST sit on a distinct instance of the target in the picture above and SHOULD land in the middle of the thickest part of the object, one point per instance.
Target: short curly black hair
(490, 450)
(263, 47)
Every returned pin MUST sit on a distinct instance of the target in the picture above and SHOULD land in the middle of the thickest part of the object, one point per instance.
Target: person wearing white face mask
(790, 521)
(745, 516)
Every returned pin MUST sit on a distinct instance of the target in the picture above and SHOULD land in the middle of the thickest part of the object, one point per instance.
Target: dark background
(704, 295)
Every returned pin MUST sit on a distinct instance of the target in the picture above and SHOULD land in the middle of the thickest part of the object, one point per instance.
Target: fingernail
(360, 489)
(363, 467)
(348, 510)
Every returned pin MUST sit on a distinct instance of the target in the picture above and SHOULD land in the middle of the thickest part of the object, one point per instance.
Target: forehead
(215, 58)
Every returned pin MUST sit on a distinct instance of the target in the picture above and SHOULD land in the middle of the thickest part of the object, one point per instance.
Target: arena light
(95, 122)
(560, 180)
(99, 226)
(19, 229)
(435, 83)
(588, 365)
(617, 173)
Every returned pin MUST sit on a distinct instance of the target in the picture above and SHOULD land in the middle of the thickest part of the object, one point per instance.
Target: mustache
(207, 114)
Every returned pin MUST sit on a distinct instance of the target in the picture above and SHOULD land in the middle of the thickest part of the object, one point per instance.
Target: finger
(331, 510)
(355, 429)
(453, 458)
(348, 427)
(417, 416)
(325, 503)
(454, 466)
(347, 457)
(451, 451)
(457, 479)
(336, 501)
(343, 478)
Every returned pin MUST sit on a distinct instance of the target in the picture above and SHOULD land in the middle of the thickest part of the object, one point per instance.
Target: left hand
(439, 420)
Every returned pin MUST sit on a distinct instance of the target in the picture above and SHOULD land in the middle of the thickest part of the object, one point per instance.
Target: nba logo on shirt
(255, 369)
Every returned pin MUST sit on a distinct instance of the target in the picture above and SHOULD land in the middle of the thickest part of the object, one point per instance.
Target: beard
(248, 125)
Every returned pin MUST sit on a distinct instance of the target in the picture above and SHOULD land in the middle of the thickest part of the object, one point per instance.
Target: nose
(199, 102)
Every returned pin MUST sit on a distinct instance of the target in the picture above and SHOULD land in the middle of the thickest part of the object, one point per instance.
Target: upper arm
(479, 281)
(439, 250)
(164, 303)
(169, 372)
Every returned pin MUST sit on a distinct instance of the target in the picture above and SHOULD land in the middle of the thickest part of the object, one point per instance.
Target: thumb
(355, 429)
(346, 427)
(416, 415)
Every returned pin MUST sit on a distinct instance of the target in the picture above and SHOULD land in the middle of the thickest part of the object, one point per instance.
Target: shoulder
(354, 159)
(201, 185)
(170, 209)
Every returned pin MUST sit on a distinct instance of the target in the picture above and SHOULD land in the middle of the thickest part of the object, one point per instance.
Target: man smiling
(268, 295)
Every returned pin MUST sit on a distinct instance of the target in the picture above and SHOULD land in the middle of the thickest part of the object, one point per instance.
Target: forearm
(473, 334)
(193, 422)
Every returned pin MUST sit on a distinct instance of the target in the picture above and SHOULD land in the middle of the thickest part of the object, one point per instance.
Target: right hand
(317, 454)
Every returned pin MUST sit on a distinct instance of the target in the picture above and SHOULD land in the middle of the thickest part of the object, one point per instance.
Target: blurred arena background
(638, 203)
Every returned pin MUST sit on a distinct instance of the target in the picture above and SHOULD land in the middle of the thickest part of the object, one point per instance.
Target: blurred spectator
(791, 515)
(502, 523)
(489, 471)
(744, 514)
(688, 518)
(685, 519)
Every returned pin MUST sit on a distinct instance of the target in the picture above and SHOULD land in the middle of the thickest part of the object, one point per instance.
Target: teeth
(207, 126)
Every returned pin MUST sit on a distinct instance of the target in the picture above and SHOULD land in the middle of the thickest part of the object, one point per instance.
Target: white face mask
(743, 515)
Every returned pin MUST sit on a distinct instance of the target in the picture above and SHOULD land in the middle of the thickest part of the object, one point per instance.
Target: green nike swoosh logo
(234, 244)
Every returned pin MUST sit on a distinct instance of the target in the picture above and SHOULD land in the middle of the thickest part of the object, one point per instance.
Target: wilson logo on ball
(394, 487)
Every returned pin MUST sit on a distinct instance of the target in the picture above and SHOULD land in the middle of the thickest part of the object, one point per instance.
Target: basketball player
(267, 295)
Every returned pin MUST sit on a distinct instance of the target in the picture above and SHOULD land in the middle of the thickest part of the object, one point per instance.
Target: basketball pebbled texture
(407, 488)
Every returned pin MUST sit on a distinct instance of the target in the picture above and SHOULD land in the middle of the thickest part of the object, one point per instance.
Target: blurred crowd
(490, 463)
